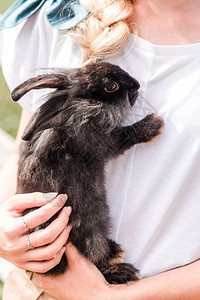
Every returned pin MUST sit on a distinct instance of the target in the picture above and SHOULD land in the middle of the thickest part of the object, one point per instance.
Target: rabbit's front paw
(121, 273)
(149, 128)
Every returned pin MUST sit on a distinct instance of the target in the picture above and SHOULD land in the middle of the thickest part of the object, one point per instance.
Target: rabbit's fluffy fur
(66, 145)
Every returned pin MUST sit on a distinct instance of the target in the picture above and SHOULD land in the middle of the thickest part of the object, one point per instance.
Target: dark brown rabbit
(66, 145)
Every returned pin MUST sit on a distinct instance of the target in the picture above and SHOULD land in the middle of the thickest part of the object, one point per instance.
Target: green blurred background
(9, 111)
(4, 4)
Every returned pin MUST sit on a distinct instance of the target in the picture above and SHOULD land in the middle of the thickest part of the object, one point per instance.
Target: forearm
(181, 283)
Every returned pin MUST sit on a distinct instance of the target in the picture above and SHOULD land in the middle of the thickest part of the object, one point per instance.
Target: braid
(106, 31)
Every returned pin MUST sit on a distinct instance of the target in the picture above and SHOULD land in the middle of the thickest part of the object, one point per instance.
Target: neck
(168, 22)
(169, 5)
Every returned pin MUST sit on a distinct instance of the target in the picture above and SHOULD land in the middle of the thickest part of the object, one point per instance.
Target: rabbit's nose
(135, 84)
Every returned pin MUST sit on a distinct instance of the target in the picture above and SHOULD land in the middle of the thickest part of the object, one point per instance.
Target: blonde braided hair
(106, 31)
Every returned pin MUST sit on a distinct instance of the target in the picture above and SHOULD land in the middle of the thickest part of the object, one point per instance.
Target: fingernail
(69, 228)
(49, 196)
(68, 210)
(64, 197)
(62, 251)
(59, 200)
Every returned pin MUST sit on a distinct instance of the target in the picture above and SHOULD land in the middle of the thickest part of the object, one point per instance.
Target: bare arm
(178, 284)
(83, 281)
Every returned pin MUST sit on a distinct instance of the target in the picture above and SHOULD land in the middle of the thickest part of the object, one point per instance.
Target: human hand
(48, 243)
(82, 280)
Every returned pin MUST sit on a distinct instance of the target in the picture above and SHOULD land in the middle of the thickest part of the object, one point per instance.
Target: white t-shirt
(153, 189)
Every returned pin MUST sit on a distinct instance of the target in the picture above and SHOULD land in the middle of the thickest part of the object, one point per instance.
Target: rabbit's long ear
(40, 82)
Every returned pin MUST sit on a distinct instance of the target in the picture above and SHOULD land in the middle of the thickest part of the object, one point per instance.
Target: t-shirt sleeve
(26, 52)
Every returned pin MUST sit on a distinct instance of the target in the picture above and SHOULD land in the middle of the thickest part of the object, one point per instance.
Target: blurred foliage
(4, 4)
(1, 289)
(9, 111)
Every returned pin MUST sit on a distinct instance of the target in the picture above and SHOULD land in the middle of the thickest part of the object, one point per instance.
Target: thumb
(74, 257)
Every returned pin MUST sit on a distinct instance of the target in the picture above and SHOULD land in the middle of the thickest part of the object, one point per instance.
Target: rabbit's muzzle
(132, 95)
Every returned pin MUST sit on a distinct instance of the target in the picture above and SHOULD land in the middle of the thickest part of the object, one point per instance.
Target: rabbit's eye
(112, 87)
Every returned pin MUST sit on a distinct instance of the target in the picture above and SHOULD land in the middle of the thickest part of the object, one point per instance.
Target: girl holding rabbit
(153, 190)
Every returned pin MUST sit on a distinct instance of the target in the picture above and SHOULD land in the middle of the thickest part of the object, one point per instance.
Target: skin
(168, 22)
(178, 284)
(13, 241)
(160, 22)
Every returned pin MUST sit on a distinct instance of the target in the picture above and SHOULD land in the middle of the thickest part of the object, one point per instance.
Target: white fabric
(153, 189)
(5, 268)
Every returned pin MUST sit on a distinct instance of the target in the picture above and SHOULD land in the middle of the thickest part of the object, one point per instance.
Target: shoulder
(33, 46)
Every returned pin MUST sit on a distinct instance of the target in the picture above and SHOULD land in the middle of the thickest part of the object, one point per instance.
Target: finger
(49, 251)
(52, 231)
(44, 213)
(20, 202)
(44, 266)
(43, 236)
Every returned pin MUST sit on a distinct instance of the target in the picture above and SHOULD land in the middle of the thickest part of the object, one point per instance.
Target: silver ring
(25, 225)
(28, 242)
